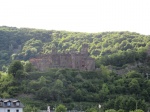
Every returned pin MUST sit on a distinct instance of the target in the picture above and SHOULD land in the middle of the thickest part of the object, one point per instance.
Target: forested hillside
(120, 81)
(109, 48)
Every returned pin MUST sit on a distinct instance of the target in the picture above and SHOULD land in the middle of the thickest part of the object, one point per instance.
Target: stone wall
(75, 60)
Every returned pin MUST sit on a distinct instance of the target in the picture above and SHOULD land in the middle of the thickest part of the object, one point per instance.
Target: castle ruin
(74, 60)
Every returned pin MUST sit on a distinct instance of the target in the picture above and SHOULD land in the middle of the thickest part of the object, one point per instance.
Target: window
(17, 110)
(1, 103)
(8, 110)
(17, 103)
(8, 103)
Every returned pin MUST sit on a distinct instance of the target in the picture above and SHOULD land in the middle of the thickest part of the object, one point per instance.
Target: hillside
(121, 75)
(107, 47)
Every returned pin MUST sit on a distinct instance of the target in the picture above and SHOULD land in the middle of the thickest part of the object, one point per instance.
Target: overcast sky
(78, 15)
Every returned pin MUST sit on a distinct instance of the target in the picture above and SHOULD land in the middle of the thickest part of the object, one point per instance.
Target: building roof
(10, 103)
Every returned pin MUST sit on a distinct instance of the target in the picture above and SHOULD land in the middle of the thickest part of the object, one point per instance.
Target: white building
(11, 105)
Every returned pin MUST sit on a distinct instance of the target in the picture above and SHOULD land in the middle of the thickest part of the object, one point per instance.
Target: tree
(28, 67)
(14, 67)
(126, 103)
(5, 95)
(78, 95)
(43, 94)
(28, 108)
(134, 86)
(104, 92)
(134, 74)
(61, 108)
(120, 110)
(138, 110)
(92, 110)
(104, 89)
(42, 81)
(111, 110)
(58, 85)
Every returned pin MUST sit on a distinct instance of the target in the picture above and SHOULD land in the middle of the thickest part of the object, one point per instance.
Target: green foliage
(64, 85)
(15, 68)
(58, 84)
(120, 110)
(138, 110)
(5, 95)
(115, 48)
(92, 110)
(70, 86)
(110, 110)
(115, 52)
(9, 86)
(134, 86)
(134, 74)
(30, 109)
(61, 108)
(28, 67)
(43, 93)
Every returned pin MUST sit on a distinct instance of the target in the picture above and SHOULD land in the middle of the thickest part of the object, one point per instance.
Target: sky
(77, 15)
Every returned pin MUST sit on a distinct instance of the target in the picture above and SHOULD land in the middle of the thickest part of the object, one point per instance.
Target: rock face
(75, 60)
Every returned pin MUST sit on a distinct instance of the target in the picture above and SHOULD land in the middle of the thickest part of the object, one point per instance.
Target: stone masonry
(74, 60)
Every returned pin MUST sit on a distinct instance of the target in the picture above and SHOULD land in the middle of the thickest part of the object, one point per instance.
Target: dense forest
(120, 82)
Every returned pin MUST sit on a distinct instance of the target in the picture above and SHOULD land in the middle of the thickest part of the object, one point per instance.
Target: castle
(74, 60)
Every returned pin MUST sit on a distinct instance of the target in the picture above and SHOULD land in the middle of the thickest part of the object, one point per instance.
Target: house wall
(11, 109)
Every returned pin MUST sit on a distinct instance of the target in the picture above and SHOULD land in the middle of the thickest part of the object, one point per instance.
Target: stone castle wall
(73, 60)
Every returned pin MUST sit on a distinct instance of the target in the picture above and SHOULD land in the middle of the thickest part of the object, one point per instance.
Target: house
(10, 105)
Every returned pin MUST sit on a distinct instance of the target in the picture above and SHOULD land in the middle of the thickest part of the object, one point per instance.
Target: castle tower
(84, 49)
(73, 59)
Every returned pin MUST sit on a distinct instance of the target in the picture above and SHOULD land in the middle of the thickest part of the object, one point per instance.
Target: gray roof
(10, 103)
